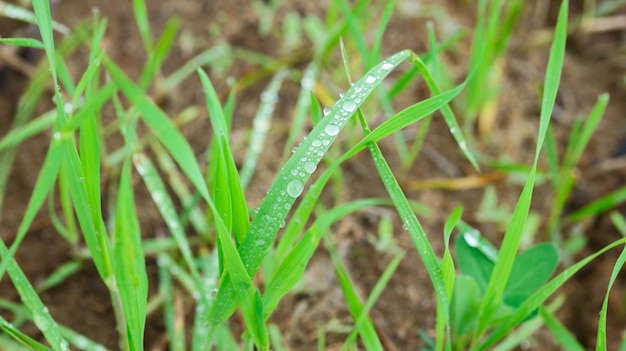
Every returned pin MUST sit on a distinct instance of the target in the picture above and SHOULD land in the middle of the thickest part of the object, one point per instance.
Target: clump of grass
(481, 297)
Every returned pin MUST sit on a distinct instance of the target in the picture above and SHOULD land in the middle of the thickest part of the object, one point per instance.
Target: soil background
(595, 63)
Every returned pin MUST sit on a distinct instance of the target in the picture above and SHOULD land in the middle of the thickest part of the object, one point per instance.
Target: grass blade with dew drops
(514, 232)
(402, 119)
(261, 125)
(290, 182)
(367, 331)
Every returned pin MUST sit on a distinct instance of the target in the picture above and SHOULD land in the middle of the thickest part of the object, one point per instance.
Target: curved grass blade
(290, 182)
(510, 244)
(601, 338)
(20, 337)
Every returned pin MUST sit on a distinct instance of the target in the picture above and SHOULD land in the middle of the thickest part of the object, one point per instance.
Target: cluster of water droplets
(311, 151)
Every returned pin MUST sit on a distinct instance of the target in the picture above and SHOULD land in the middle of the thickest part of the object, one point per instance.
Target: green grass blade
(39, 312)
(368, 332)
(130, 267)
(563, 336)
(45, 182)
(291, 180)
(141, 17)
(261, 126)
(23, 42)
(514, 232)
(163, 47)
(175, 328)
(25, 340)
(97, 240)
(599, 206)
(164, 203)
(416, 232)
(232, 187)
(601, 338)
(18, 135)
(360, 325)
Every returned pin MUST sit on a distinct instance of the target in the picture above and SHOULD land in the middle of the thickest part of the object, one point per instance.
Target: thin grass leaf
(416, 232)
(220, 49)
(96, 239)
(303, 105)
(539, 297)
(44, 184)
(367, 331)
(514, 232)
(141, 18)
(601, 205)
(161, 50)
(20, 337)
(232, 187)
(21, 14)
(446, 111)
(291, 180)
(601, 338)
(261, 125)
(23, 42)
(130, 267)
(18, 135)
(60, 274)
(448, 273)
(174, 325)
(39, 312)
(164, 203)
(377, 290)
(563, 336)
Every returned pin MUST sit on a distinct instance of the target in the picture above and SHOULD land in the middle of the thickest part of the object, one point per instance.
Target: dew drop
(463, 145)
(342, 94)
(310, 167)
(317, 143)
(472, 238)
(57, 135)
(260, 242)
(386, 66)
(294, 149)
(282, 224)
(213, 293)
(452, 130)
(80, 179)
(326, 110)
(370, 79)
(349, 106)
(325, 142)
(331, 129)
(295, 187)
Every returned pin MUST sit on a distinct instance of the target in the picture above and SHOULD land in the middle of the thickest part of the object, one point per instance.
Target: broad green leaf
(543, 259)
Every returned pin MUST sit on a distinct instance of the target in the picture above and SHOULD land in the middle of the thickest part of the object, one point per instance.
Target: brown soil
(594, 64)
